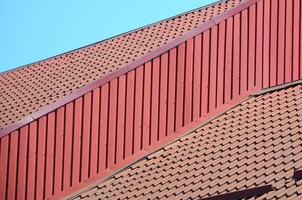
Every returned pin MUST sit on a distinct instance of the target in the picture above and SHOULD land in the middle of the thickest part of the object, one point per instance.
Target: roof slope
(254, 144)
(25, 90)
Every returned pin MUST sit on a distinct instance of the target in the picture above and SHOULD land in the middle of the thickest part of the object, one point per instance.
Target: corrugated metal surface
(93, 134)
(40, 84)
(235, 152)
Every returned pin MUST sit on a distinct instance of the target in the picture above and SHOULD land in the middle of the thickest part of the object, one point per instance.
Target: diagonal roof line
(183, 160)
(153, 150)
(276, 88)
(145, 58)
(111, 38)
(158, 148)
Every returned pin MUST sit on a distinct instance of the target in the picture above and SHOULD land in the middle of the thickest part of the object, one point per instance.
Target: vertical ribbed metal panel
(257, 48)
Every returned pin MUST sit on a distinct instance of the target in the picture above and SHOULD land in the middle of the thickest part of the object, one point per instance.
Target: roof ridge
(111, 38)
(276, 88)
(157, 149)
(178, 138)
(223, 136)
(130, 66)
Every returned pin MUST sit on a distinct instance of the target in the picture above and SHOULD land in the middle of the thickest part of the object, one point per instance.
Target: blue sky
(32, 30)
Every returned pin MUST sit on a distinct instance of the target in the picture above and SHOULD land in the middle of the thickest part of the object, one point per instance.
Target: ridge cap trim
(126, 68)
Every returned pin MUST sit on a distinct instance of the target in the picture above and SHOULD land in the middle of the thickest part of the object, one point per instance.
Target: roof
(28, 89)
(254, 147)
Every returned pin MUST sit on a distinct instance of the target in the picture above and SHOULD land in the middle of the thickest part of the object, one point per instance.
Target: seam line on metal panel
(90, 86)
(174, 140)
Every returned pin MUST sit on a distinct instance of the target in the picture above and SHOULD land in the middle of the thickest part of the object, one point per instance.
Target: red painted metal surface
(207, 24)
(115, 122)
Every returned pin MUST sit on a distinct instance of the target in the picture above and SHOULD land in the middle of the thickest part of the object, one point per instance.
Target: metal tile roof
(26, 90)
(255, 144)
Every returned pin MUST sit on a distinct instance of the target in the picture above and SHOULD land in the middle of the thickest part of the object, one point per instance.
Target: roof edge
(110, 38)
(183, 132)
(128, 67)
(277, 88)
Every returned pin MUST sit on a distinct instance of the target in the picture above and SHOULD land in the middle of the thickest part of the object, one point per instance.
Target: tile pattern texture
(258, 142)
(26, 90)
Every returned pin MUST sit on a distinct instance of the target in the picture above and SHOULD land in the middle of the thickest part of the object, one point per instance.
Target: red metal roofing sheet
(255, 144)
(26, 90)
